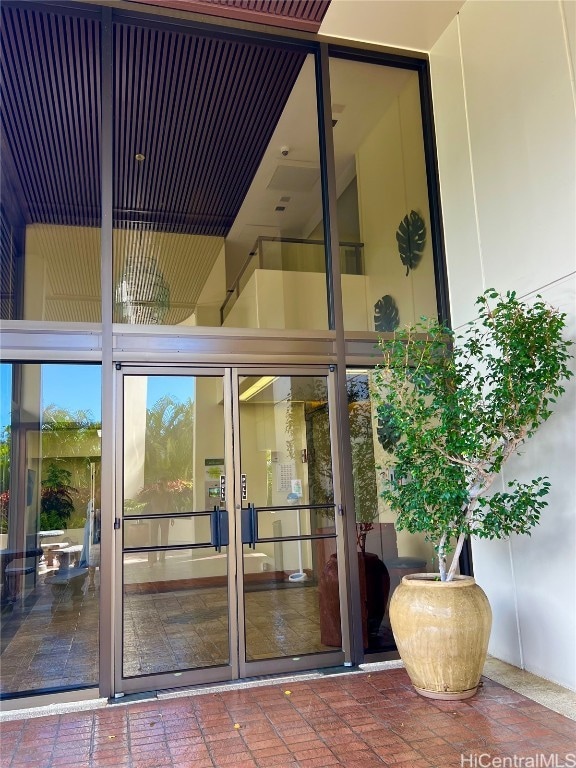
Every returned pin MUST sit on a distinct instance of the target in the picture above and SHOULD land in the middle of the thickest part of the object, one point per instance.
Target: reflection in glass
(160, 418)
(50, 214)
(385, 555)
(175, 601)
(49, 526)
(285, 440)
(218, 215)
(175, 611)
(287, 459)
(142, 295)
(283, 616)
(382, 189)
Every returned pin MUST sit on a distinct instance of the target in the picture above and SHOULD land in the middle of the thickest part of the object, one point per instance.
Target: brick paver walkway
(364, 720)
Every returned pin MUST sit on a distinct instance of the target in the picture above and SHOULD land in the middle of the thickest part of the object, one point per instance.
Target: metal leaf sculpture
(387, 434)
(386, 315)
(411, 239)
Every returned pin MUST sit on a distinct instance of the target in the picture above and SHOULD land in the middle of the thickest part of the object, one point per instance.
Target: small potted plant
(462, 407)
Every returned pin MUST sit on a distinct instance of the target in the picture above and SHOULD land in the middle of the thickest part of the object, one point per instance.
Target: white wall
(412, 24)
(391, 178)
(504, 104)
(134, 435)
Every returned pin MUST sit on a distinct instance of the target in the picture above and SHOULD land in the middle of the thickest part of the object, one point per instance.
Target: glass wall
(217, 196)
(217, 200)
(385, 554)
(291, 607)
(382, 195)
(49, 526)
(175, 611)
(50, 182)
(217, 223)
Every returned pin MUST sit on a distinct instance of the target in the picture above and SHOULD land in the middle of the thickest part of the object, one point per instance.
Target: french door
(228, 511)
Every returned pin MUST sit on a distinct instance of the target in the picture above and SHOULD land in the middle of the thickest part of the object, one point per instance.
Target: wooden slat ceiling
(50, 115)
(303, 15)
(200, 110)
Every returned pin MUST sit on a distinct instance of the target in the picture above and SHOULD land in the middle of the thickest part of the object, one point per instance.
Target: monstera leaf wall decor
(411, 239)
(386, 316)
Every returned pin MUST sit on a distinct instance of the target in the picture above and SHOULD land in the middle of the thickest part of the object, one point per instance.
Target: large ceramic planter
(441, 631)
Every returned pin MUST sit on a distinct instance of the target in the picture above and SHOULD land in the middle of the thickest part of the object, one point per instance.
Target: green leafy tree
(462, 407)
(169, 441)
(71, 437)
(57, 504)
(4, 478)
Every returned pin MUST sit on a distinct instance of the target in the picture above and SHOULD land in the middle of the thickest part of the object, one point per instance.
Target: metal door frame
(237, 667)
(307, 661)
(163, 680)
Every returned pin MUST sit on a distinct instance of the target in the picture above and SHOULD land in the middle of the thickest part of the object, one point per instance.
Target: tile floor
(187, 629)
(361, 719)
(51, 640)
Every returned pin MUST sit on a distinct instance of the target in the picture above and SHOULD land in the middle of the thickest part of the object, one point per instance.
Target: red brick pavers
(357, 720)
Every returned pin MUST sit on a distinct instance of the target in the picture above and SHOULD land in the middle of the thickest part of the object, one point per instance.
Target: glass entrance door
(226, 518)
(290, 522)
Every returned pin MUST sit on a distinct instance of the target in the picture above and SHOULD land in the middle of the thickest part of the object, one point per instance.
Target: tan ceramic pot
(441, 631)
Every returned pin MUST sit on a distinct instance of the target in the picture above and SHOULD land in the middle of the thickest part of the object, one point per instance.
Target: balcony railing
(291, 254)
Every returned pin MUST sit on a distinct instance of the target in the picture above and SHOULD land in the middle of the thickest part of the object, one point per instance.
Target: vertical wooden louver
(303, 15)
(50, 113)
(8, 273)
(200, 109)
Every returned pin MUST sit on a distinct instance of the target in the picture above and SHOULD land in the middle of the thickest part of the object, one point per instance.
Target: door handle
(254, 525)
(249, 526)
(219, 528)
(215, 529)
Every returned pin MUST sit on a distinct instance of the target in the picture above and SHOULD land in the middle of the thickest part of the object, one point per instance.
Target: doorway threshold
(263, 680)
(25, 709)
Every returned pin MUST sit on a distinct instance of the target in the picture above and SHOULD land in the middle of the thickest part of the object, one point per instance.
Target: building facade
(207, 223)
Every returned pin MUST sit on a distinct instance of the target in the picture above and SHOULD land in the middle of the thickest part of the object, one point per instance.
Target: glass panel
(282, 615)
(172, 426)
(284, 523)
(167, 531)
(381, 180)
(285, 440)
(286, 457)
(385, 555)
(175, 606)
(217, 196)
(50, 214)
(49, 526)
(175, 611)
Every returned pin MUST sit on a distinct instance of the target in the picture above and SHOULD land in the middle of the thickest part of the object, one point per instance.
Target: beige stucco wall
(503, 90)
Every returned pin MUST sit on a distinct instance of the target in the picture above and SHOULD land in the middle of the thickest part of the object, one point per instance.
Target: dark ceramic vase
(374, 589)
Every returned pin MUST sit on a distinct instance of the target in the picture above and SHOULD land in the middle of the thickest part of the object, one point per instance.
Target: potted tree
(462, 407)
